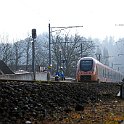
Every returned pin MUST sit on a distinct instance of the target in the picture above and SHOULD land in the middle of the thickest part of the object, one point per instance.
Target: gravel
(25, 102)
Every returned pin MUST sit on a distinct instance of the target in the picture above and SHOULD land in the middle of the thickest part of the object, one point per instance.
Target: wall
(42, 76)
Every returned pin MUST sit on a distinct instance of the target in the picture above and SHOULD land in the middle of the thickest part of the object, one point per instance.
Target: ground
(60, 103)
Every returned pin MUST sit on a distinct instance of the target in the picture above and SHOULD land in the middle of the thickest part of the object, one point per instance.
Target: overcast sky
(98, 17)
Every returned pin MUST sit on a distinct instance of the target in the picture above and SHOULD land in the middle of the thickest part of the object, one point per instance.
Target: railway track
(60, 81)
(100, 88)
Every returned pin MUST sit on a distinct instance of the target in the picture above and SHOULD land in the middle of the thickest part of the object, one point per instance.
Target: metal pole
(49, 46)
(33, 59)
(60, 58)
(81, 51)
(99, 57)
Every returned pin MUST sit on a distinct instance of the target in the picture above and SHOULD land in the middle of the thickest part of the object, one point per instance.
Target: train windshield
(86, 65)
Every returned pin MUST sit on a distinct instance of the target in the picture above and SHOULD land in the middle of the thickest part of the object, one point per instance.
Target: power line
(68, 27)
(63, 28)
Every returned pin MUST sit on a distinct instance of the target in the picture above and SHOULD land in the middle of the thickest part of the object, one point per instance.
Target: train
(90, 69)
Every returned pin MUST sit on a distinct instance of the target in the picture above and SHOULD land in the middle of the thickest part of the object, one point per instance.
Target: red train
(90, 69)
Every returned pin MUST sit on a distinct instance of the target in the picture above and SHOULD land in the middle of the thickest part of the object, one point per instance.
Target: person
(62, 74)
(48, 75)
(57, 76)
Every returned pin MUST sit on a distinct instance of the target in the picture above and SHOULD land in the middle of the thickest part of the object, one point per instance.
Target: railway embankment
(27, 102)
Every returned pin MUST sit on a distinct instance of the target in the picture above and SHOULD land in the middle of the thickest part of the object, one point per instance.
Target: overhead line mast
(60, 28)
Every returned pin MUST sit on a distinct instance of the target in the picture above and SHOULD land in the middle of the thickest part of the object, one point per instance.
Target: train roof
(90, 58)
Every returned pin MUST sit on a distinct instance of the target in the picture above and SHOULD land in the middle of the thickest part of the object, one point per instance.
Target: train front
(85, 70)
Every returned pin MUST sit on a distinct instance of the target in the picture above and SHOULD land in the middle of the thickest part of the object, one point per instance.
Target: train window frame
(91, 68)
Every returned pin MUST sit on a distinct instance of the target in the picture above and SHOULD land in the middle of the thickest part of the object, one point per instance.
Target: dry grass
(98, 113)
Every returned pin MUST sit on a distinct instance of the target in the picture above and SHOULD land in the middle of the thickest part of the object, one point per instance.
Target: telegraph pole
(81, 50)
(49, 46)
(98, 56)
(33, 51)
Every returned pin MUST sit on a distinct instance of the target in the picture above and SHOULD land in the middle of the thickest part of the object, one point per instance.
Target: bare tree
(67, 51)
(5, 49)
(18, 52)
(105, 57)
(6, 52)
(42, 50)
(98, 53)
(27, 52)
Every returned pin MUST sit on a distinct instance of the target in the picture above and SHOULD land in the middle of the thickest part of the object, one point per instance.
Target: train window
(112, 76)
(86, 65)
(103, 73)
(99, 70)
(108, 73)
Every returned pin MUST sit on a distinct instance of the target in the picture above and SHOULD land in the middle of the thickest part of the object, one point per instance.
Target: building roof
(4, 69)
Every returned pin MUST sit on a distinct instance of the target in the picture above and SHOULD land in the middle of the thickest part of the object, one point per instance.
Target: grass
(108, 112)
(98, 113)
